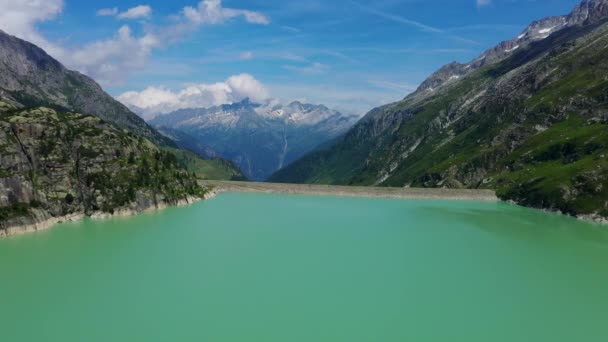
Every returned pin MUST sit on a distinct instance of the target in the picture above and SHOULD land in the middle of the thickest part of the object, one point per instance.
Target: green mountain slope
(207, 169)
(533, 125)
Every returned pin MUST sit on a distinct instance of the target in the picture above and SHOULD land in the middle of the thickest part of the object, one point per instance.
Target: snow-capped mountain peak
(260, 138)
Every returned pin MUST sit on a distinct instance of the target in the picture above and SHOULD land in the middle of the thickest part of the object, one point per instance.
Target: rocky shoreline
(40, 220)
(593, 218)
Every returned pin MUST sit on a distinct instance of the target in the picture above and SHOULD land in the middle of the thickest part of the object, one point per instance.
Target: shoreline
(43, 221)
(377, 192)
(353, 191)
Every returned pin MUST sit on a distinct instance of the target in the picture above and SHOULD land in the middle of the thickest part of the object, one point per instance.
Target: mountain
(208, 169)
(187, 142)
(529, 118)
(260, 139)
(56, 164)
(29, 77)
(69, 149)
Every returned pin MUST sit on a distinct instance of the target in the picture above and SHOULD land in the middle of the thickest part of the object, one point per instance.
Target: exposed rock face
(588, 11)
(531, 124)
(260, 139)
(30, 77)
(55, 165)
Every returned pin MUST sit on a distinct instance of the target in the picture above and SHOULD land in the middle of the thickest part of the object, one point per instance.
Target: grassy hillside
(533, 126)
(211, 169)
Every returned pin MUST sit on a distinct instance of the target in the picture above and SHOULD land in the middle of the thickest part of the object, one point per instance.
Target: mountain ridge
(531, 125)
(68, 149)
(30, 77)
(259, 138)
(587, 10)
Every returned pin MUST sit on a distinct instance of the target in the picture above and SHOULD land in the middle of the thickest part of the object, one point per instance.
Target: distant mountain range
(529, 117)
(260, 139)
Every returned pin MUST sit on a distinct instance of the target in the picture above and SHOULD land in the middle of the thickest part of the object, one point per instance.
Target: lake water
(250, 267)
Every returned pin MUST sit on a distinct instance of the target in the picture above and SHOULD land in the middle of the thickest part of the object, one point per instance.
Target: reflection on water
(517, 222)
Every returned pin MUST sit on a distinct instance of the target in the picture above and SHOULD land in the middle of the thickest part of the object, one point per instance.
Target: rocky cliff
(62, 164)
(68, 149)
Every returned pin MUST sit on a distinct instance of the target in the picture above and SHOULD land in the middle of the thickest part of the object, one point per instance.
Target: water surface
(251, 267)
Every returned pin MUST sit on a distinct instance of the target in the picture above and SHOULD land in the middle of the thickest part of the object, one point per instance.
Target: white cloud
(111, 60)
(108, 12)
(481, 3)
(18, 17)
(107, 60)
(138, 12)
(212, 12)
(153, 101)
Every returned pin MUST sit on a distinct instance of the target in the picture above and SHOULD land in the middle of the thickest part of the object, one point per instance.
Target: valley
(259, 138)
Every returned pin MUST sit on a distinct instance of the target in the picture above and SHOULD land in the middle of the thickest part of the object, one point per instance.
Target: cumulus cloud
(107, 60)
(111, 60)
(18, 17)
(138, 12)
(207, 12)
(153, 101)
(212, 12)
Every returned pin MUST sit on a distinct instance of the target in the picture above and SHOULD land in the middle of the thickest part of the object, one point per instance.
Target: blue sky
(351, 55)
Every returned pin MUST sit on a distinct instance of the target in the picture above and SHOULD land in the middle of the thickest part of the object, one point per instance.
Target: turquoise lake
(252, 267)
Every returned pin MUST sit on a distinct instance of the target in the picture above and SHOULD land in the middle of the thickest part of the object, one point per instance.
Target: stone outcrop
(57, 166)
